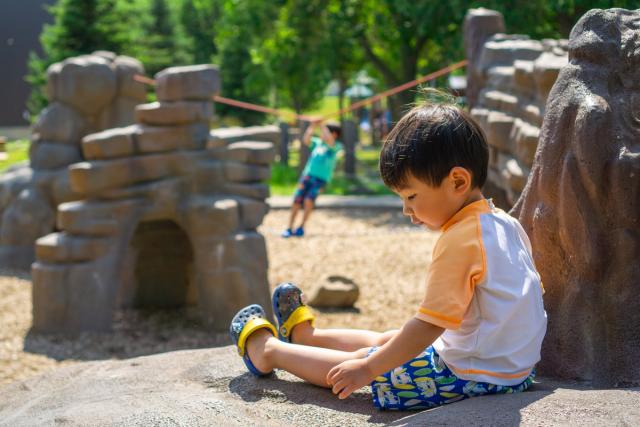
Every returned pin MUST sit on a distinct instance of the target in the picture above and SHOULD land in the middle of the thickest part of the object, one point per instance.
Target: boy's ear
(461, 178)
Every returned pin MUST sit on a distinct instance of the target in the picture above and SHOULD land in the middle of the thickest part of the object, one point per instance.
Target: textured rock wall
(167, 216)
(510, 79)
(86, 94)
(581, 205)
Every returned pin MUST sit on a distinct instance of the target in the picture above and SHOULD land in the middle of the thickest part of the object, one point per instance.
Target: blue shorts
(308, 188)
(426, 382)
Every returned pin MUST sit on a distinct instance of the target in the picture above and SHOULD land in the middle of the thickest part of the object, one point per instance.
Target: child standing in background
(316, 174)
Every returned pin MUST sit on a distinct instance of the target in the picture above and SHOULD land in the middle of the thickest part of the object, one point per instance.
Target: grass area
(17, 151)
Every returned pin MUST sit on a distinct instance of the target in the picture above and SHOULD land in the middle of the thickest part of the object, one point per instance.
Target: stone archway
(168, 217)
(159, 267)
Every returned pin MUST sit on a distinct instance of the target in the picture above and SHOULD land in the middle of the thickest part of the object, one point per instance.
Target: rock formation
(167, 217)
(86, 94)
(512, 75)
(581, 205)
(212, 387)
(479, 25)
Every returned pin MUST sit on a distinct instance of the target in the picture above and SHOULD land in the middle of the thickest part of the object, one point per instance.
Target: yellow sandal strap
(250, 327)
(299, 315)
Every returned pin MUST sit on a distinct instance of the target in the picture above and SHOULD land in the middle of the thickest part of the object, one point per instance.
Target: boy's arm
(306, 138)
(327, 136)
(410, 341)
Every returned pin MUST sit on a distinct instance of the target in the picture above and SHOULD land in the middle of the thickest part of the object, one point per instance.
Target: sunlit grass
(17, 151)
(366, 182)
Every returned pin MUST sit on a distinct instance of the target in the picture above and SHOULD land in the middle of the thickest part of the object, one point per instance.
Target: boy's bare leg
(308, 208)
(295, 208)
(312, 364)
(338, 339)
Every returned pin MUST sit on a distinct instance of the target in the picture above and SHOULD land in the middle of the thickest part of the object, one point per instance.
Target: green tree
(161, 44)
(542, 18)
(79, 27)
(296, 54)
(344, 57)
(199, 19)
(401, 38)
(243, 71)
(563, 14)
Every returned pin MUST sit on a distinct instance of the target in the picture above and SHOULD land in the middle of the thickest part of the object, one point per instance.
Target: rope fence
(359, 104)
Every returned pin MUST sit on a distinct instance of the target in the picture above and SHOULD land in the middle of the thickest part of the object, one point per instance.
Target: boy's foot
(287, 233)
(250, 320)
(299, 232)
(289, 309)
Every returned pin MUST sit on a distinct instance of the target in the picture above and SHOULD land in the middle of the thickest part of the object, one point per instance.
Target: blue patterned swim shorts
(426, 382)
(308, 188)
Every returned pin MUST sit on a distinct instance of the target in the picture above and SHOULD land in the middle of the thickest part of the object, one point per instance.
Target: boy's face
(431, 206)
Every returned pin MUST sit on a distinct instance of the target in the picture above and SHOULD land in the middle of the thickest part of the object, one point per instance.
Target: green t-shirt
(322, 159)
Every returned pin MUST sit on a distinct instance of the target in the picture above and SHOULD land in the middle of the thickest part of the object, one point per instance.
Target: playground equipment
(581, 205)
(509, 79)
(86, 94)
(159, 213)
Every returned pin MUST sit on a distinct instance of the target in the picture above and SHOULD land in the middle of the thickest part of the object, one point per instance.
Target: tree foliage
(200, 19)
(161, 43)
(80, 27)
(284, 52)
(243, 72)
(402, 37)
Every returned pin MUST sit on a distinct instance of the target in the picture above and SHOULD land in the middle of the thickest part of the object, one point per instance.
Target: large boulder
(581, 205)
(88, 83)
(212, 387)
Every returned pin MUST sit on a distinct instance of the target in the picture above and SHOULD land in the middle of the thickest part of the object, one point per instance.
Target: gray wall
(21, 22)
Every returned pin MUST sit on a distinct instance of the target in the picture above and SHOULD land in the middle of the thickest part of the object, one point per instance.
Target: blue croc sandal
(244, 323)
(289, 309)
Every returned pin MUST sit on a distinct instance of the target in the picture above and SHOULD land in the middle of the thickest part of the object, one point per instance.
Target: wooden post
(350, 139)
(284, 143)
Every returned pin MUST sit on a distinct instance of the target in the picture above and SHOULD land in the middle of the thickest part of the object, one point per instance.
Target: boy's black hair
(428, 142)
(335, 128)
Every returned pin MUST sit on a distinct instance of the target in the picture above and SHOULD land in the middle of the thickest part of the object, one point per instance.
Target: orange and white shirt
(483, 288)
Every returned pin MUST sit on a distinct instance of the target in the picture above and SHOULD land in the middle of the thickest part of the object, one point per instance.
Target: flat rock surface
(211, 386)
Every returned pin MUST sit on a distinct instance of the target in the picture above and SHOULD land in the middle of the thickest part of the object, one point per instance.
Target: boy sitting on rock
(481, 323)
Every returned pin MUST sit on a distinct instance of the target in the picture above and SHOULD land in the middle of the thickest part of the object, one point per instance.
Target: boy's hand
(314, 121)
(349, 376)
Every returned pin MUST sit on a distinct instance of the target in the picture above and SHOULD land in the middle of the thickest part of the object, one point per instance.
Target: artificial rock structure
(581, 205)
(86, 94)
(165, 215)
(509, 79)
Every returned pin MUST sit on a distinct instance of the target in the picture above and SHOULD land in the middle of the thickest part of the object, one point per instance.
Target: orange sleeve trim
(438, 319)
(490, 373)
(479, 278)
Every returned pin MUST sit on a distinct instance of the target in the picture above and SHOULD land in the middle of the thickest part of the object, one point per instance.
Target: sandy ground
(379, 250)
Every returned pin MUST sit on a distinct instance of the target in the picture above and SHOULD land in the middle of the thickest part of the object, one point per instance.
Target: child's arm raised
(306, 138)
(410, 341)
(327, 136)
